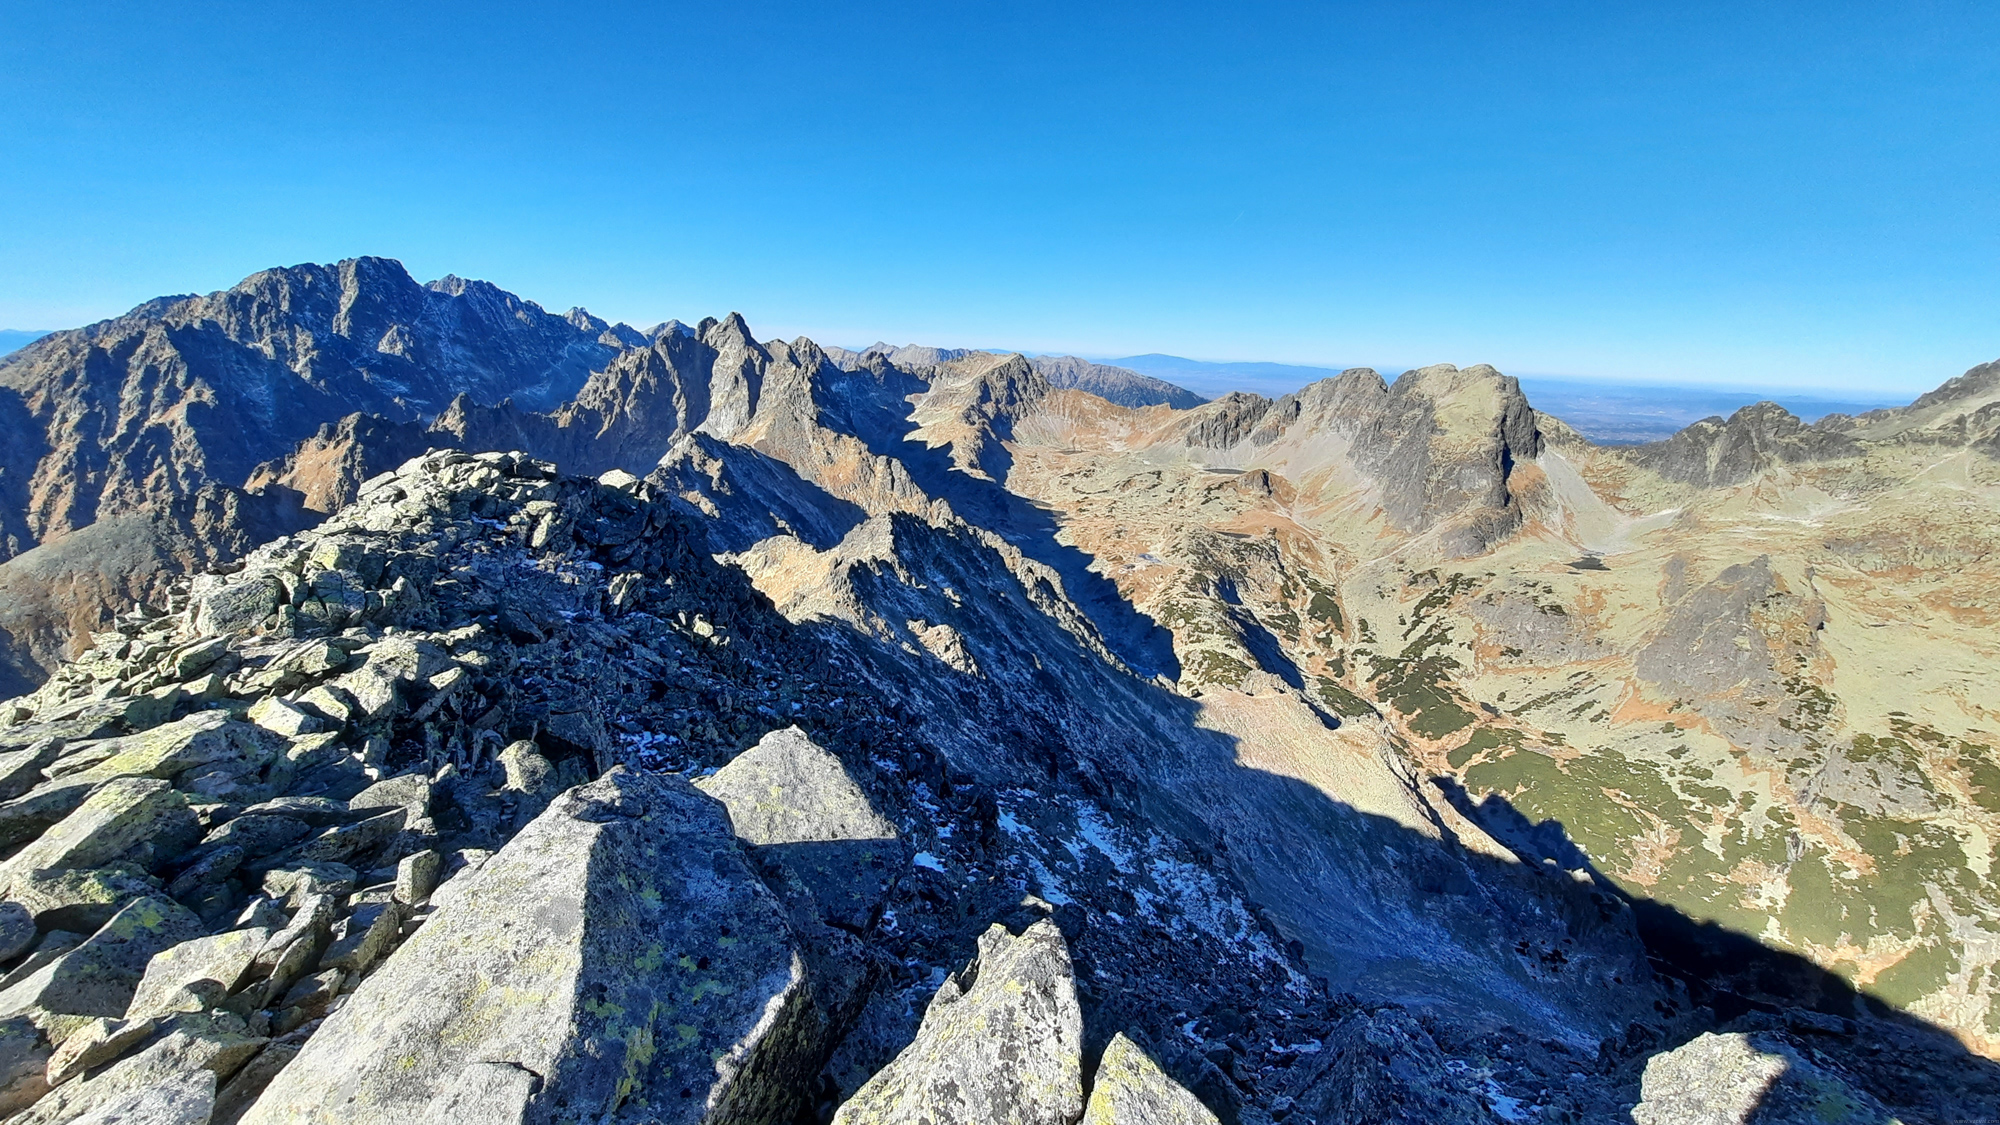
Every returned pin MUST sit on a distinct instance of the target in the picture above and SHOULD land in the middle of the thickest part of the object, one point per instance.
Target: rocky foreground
(494, 799)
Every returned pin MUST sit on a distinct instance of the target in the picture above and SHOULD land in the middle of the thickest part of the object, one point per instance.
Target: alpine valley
(431, 708)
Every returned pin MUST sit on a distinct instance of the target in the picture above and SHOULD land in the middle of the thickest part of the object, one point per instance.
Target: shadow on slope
(1910, 1064)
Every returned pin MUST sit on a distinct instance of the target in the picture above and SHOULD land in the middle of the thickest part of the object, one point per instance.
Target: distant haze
(14, 339)
(1604, 410)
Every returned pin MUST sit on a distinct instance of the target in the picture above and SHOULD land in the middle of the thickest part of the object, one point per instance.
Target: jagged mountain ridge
(1273, 526)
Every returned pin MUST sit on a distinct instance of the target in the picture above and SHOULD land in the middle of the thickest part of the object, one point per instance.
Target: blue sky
(1758, 194)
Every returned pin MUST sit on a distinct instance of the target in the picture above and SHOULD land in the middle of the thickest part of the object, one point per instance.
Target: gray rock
(121, 815)
(215, 1044)
(296, 882)
(417, 877)
(1386, 1068)
(1131, 1089)
(1002, 1048)
(24, 1060)
(280, 717)
(363, 937)
(243, 1088)
(318, 812)
(796, 802)
(202, 741)
(99, 977)
(235, 605)
(17, 930)
(620, 948)
(187, 1099)
(410, 792)
(1734, 1078)
(94, 1044)
(81, 901)
(258, 834)
(347, 842)
(21, 770)
(213, 965)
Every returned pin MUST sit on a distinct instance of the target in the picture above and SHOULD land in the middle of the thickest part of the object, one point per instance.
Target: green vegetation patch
(1482, 740)
(1341, 701)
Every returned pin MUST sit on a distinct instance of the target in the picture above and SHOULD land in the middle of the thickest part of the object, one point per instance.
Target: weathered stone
(1386, 1068)
(258, 834)
(29, 815)
(24, 1060)
(280, 717)
(98, 977)
(236, 605)
(79, 900)
(214, 864)
(317, 812)
(625, 918)
(328, 704)
(17, 930)
(295, 882)
(527, 770)
(191, 660)
(308, 999)
(243, 1088)
(346, 842)
(121, 815)
(410, 791)
(187, 1099)
(204, 739)
(94, 1044)
(361, 938)
(215, 1044)
(54, 944)
(373, 691)
(796, 802)
(220, 961)
(1006, 1050)
(289, 953)
(1131, 1089)
(417, 877)
(21, 770)
(1734, 1078)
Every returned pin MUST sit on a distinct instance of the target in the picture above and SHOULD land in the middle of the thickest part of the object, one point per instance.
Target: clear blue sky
(1798, 194)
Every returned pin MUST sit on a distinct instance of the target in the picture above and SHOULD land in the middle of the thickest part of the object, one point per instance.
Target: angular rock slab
(100, 976)
(1131, 1089)
(119, 816)
(1733, 1078)
(1005, 1050)
(787, 790)
(795, 801)
(1385, 1068)
(617, 961)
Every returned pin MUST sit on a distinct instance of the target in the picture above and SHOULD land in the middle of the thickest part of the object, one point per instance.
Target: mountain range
(1378, 750)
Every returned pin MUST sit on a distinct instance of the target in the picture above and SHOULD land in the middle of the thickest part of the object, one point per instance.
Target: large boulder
(100, 976)
(1001, 1044)
(1131, 1089)
(120, 816)
(1734, 1078)
(177, 1072)
(795, 802)
(618, 960)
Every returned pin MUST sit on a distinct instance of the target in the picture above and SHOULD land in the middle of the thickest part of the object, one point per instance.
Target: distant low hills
(14, 339)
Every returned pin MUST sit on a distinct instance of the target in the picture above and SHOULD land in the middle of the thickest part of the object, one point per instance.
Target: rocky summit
(430, 708)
